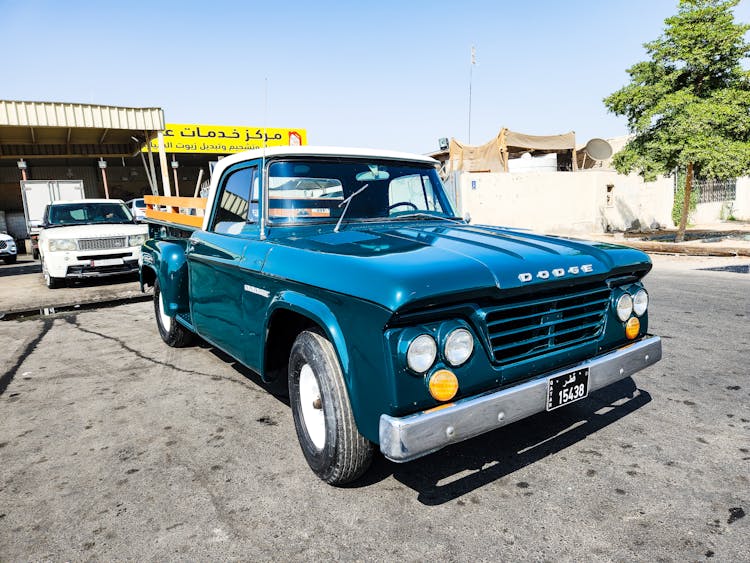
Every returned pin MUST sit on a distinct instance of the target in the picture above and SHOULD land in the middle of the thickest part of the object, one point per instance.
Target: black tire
(345, 454)
(49, 281)
(10, 259)
(35, 254)
(171, 332)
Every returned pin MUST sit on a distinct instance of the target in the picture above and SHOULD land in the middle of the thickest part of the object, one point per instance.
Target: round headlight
(640, 302)
(458, 346)
(624, 307)
(421, 353)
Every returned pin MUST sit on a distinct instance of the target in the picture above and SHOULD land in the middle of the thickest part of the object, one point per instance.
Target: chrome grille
(3, 244)
(101, 243)
(550, 320)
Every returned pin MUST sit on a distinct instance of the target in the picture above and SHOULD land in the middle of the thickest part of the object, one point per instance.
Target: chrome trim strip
(409, 437)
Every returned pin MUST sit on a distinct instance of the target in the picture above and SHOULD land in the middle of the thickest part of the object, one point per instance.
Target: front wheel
(171, 332)
(49, 281)
(332, 445)
(10, 259)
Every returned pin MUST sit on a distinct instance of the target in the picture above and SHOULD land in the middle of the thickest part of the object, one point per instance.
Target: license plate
(567, 388)
(107, 262)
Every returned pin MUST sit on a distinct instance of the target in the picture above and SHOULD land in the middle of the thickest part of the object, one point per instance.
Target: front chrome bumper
(409, 437)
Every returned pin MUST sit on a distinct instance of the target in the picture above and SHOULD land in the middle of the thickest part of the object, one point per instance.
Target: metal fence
(711, 190)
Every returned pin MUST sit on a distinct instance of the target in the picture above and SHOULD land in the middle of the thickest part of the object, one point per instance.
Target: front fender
(355, 328)
(318, 312)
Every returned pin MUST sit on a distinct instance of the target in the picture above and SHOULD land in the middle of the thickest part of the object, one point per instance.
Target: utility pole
(471, 72)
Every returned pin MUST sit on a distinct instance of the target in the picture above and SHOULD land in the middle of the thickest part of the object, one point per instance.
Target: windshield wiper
(427, 216)
(346, 202)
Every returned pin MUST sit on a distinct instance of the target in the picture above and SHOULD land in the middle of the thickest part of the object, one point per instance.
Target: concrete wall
(741, 204)
(591, 201)
(716, 211)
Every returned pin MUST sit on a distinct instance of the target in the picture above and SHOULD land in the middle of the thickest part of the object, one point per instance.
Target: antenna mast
(471, 72)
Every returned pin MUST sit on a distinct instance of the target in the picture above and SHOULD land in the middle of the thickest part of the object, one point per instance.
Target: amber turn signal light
(632, 328)
(443, 385)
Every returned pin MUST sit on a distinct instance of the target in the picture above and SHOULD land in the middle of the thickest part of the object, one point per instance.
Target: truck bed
(169, 211)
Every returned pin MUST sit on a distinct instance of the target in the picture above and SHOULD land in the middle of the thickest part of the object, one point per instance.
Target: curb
(686, 249)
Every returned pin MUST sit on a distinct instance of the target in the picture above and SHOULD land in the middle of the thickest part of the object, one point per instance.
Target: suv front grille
(101, 243)
(550, 320)
(3, 244)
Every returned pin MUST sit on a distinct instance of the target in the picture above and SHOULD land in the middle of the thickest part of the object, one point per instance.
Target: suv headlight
(624, 307)
(421, 353)
(640, 302)
(136, 240)
(459, 346)
(59, 244)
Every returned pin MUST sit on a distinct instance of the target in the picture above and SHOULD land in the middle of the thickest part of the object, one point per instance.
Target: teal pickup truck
(344, 277)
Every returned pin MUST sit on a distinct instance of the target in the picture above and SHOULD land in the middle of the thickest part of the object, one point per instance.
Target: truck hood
(6, 238)
(100, 230)
(398, 265)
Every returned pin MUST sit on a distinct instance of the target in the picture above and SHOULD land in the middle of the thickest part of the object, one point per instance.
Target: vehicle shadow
(103, 281)
(459, 469)
(278, 391)
(22, 266)
(442, 477)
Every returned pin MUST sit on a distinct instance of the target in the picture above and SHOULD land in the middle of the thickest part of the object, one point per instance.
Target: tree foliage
(688, 106)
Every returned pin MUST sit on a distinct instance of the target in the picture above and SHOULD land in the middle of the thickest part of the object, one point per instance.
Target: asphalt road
(114, 446)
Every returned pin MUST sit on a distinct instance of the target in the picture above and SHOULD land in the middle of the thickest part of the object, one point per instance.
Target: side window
(234, 199)
(413, 192)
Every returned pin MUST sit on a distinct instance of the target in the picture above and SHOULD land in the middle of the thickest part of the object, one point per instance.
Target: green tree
(688, 106)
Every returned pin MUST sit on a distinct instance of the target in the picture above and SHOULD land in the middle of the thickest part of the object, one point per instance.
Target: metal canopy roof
(55, 129)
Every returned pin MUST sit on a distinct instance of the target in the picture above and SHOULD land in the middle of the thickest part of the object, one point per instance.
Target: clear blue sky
(383, 74)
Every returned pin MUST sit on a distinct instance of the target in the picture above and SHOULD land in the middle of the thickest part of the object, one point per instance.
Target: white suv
(89, 238)
(137, 208)
(8, 251)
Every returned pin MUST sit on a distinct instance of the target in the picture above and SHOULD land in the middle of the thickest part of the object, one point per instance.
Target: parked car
(8, 250)
(137, 208)
(89, 238)
(344, 277)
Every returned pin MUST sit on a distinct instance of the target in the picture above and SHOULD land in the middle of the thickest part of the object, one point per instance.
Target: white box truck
(37, 194)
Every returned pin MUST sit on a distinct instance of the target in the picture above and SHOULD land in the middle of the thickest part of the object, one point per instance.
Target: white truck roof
(310, 150)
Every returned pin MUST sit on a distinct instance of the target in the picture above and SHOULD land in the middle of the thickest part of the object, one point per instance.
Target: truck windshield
(87, 214)
(304, 191)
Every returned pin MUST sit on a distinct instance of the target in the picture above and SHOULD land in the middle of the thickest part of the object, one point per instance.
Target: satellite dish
(598, 149)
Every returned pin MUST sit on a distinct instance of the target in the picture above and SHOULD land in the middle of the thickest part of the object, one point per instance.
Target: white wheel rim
(312, 407)
(166, 320)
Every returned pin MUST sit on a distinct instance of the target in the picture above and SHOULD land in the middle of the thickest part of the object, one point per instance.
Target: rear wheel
(332, 445)
(171, 332)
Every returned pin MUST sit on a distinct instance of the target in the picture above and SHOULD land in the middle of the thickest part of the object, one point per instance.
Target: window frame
(257, 165)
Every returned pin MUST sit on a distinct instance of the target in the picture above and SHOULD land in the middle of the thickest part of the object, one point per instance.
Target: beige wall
(565, 202)
(741, 206)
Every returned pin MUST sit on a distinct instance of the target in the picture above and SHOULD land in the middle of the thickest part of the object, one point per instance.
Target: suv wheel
(49, 281)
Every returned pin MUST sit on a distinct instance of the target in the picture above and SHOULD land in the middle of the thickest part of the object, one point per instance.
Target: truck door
(218, 270)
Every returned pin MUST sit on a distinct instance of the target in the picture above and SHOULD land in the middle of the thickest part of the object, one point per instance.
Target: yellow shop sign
(220, 139)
